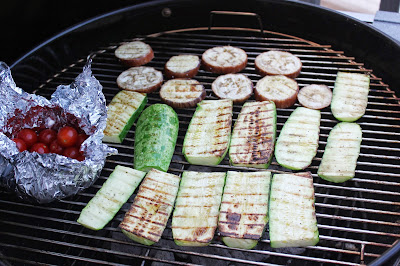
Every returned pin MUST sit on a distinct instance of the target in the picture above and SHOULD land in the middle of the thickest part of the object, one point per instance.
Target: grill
(358, 220)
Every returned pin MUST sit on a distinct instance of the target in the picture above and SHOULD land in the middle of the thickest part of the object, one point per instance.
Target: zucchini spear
(197, 207)
(244, 208)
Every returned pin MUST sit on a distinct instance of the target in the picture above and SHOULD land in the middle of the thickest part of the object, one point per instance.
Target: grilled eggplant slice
(315, 96)
(182, 93)
(140, 79)
(119, 186)
(298, 142)
(244, 208)
(207, 138)
(197, 207)
(253, 136)
(350, 96)
(236, 87)
(148, 215)
(339, 160)
(135, 53)
(155, 138)
(122, 112)
(292, 219)
(278, 63)
(224, 59)
(182, 66)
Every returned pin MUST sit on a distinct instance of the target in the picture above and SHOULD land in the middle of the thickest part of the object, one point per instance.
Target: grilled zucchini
(244, 207)
(350, 96)
(122, 112)
(108, 200)
(253, 136)
(207, 138)
(339, 160)
(148, 215)
(298, 142)
(292, 219)
(197, 207)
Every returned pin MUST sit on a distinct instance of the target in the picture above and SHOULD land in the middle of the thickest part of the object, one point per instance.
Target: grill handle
(233, 13)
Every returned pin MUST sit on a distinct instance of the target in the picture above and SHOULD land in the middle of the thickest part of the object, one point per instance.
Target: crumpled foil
(43, 178)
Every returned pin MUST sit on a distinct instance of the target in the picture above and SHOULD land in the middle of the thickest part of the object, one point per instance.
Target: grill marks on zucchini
(244, 207)
(298, 142)
(151, 208)
(208, 136)
(253, 136)
(197, 207)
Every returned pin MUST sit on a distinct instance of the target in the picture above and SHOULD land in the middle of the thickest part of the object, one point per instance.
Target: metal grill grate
(357, 220)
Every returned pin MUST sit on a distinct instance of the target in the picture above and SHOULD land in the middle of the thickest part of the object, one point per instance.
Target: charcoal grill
(359, 221)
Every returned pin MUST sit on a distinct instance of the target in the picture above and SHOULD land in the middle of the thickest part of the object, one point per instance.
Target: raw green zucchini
(339, 160)
(109, 199)
(207, 138)
(122, 112)
(350, 96)
(148, 215)
(292, 219)
(253, 136)
(155, 138)
(197, 207)
(244, 208)
(298, 142)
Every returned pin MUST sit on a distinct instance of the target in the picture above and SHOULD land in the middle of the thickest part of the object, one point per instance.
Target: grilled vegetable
(292, 219)
(207, 138)
(135, 53)
(244, 208)
(253, 136)
(155, 138)
(339, 160)
(279, 89)
(182, 93)
(350, 96)
(224, 59)
(182, 66)
(298, 142)
(197, 207)
(278, 63)
(236, 87)
(148, 215)
(119, 186)
(141, 79)
(122, 112)
(315, 96)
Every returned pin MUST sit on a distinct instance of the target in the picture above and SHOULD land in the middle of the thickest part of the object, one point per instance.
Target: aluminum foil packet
(43, 178)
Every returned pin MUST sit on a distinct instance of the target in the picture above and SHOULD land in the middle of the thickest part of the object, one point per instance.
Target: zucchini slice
(148, 215)
(244, 208)
(339, 160)
(207, 138)
(117, 189)
(197, 207)
(350, 96)
(155, 138)
(253, 136)
(122, 112)
(292, 218)
(298, 142)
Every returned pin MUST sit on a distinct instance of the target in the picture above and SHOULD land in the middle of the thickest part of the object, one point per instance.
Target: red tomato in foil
(40, 148)
(81, 138)
(47, 136)
(67, 136)
(72, 152)
(21, 145)
(29, 136)
(55, 147)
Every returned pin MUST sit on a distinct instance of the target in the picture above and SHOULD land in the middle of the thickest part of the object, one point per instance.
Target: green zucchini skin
(117, 189)
(339, 160)
(155, 138)
(122, 112)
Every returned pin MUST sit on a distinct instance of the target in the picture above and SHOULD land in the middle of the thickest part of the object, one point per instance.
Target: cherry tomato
(21, 145)
(67, 136)
(28, 136)
(55, 147)
(81, 138)
(47, 136)
(40, 148)
(71, 152)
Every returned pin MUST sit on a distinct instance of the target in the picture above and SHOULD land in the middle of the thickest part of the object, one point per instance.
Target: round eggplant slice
(135, 53)
(279, 89)
(224, 59)
(236, 87)
(141, 79)
(315, 96)
(182, 93)
(182, 66)
(278, 63)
